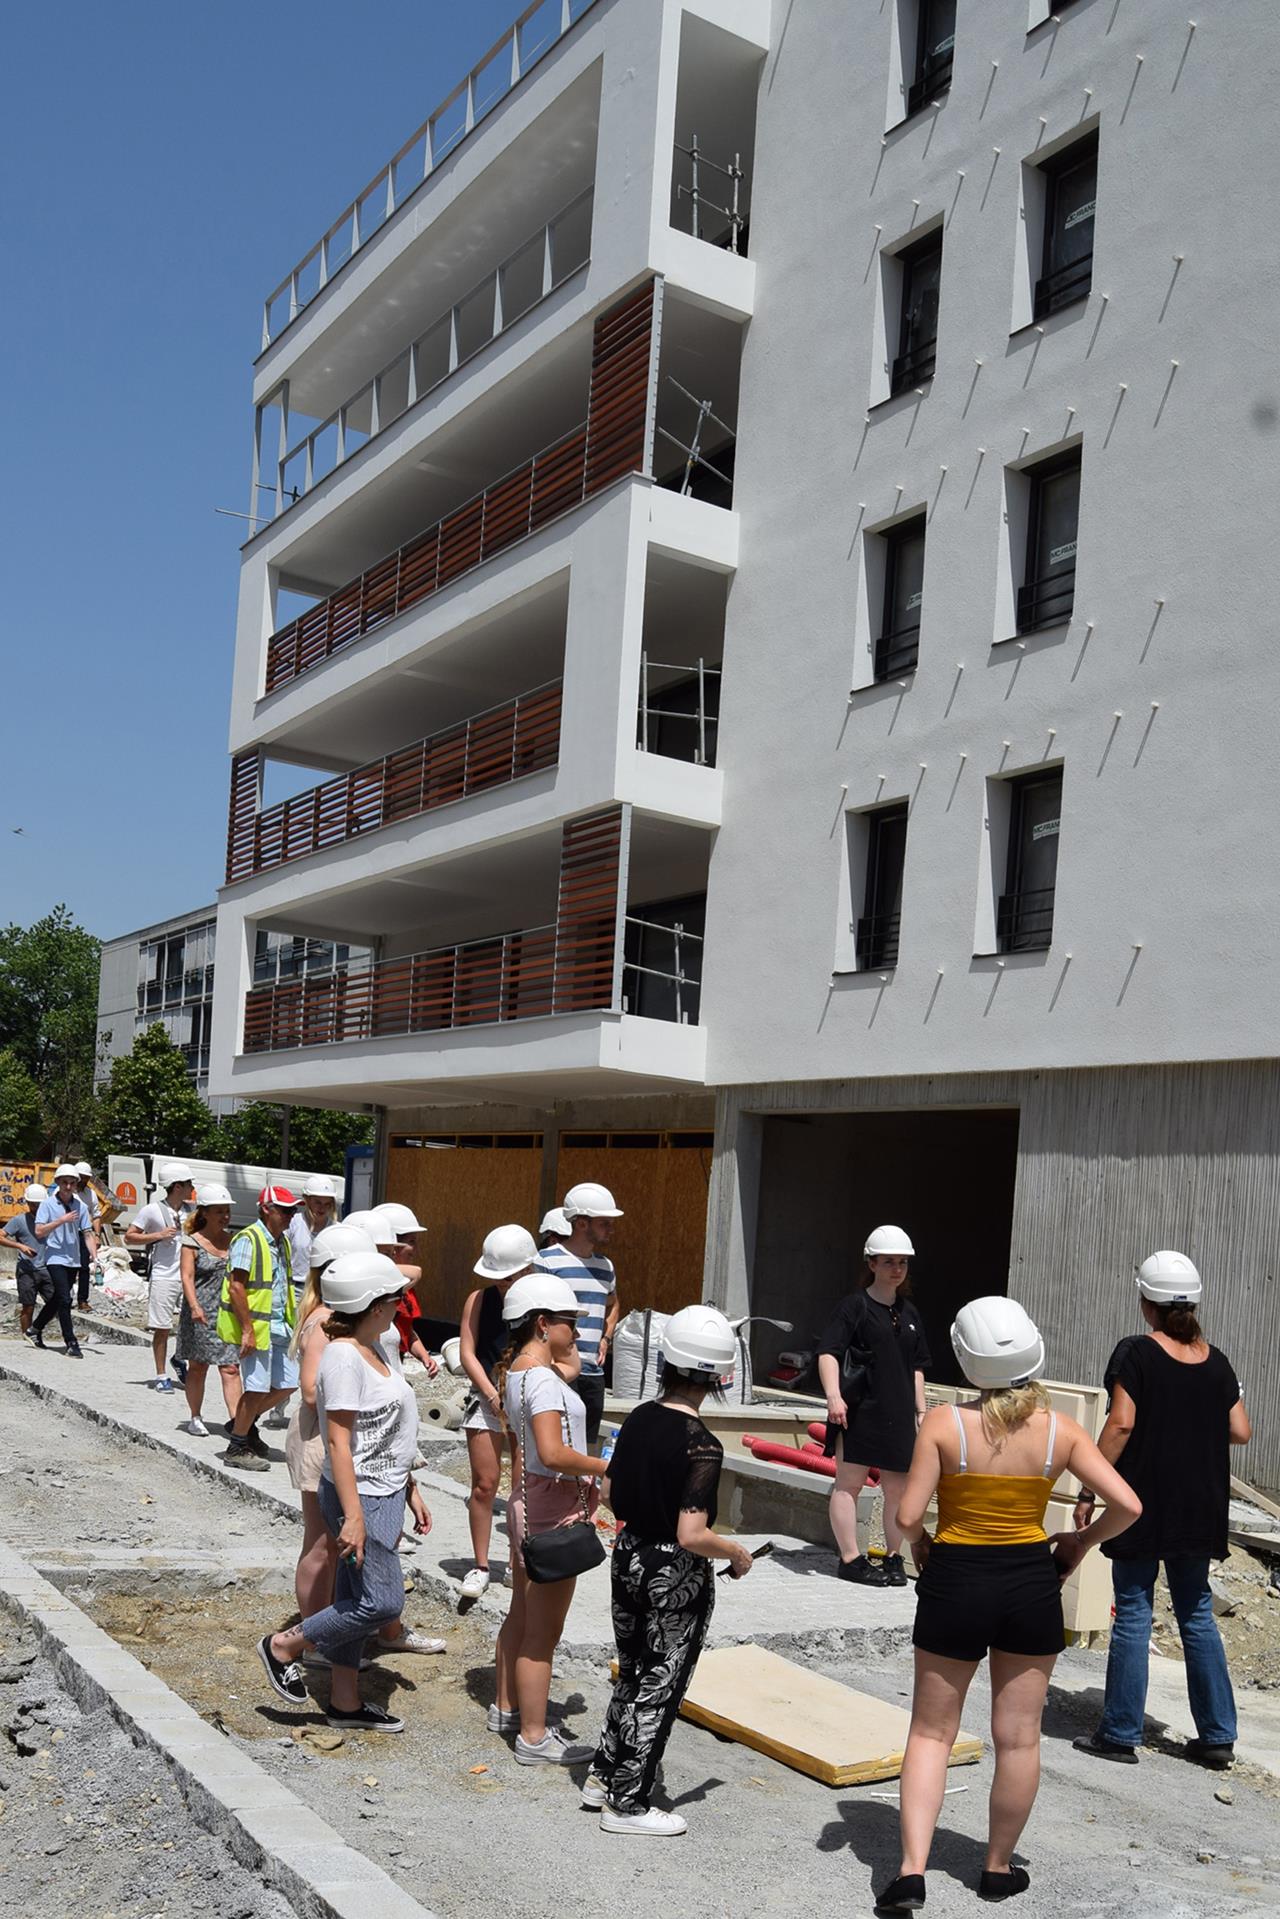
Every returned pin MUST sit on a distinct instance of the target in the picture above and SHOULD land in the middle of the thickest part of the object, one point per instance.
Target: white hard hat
(35, 1193)
(507, 1250)
(591, 1201)
(318, 1187)
(173, 1172)
(1169, 1277)
(370, 1223)
(701, 1340)
(212, 1195)
(888, 1239)
(83, 1169)
(556, 1222)
(996, 1343)
(539, 1293)
(451, 1354)
(65, 1171)
(402, 1219)
(353, 1281)
(341, 1237)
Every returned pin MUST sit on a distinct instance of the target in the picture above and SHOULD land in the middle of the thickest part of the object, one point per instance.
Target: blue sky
(165, 165)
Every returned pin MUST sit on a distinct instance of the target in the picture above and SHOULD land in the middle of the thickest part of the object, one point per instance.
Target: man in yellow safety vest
(257, 1315)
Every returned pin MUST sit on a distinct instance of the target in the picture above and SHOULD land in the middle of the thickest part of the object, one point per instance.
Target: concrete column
(732, 1205)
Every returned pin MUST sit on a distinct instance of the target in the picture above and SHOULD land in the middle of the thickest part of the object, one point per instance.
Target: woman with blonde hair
(204, 1248)
(990, 1582)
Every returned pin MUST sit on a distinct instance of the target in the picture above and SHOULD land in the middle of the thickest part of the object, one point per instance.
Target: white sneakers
(196, 1427)
(553, 1749)
(476, 1582)
(410, 1640)
(500, 1721)
(646, 1825)
(593, 1794)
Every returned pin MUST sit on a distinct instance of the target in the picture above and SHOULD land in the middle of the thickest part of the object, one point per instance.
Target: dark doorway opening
(826, 1179)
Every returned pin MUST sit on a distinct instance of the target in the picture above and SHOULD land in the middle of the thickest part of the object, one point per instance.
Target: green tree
(318, 1138)
(149, 1104)
(19, 1109)
(49, 1018)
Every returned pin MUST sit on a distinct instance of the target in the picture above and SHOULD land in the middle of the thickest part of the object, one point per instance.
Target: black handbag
(565, 1551)
(855, 1375)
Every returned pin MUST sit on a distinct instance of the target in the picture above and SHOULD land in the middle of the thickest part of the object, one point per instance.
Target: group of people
(989, 1578)
(534, 1338)
(56, 1244)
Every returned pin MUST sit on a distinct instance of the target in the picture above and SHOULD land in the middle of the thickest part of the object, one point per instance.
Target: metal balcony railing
(896, 652)
(701, 716)
(876, 940)
(557, 251)
(1024, 921)
(1064, 286)
(1047, 601)
(492, 748)
(914, 368)
(932, 81)
(512, 57)
(732, 233)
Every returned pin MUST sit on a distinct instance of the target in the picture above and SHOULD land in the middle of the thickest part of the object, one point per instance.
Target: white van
(133, 1181)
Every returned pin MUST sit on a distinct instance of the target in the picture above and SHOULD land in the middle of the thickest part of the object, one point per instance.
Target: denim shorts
(269, 1371)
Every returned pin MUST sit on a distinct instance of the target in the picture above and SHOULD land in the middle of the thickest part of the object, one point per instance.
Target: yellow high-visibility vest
(258, 1292)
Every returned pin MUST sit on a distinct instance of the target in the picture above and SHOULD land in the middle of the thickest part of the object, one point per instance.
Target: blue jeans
(1213, 1705)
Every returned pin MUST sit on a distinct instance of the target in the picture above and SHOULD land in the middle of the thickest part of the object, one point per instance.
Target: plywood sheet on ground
(816, 1725)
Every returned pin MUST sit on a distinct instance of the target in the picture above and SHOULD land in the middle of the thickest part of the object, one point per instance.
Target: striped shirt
(595, 1282)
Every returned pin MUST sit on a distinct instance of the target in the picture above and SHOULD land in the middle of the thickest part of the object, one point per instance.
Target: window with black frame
(1024, 920)
(1071, 191)
(918, 328)
(877, 931)
(935, 44)
(1048, 591)
(898, 646)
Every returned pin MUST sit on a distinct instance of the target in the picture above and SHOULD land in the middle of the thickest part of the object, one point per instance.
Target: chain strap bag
(565, 1551)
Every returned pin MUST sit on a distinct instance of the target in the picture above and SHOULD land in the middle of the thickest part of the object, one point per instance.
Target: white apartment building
(899, 369)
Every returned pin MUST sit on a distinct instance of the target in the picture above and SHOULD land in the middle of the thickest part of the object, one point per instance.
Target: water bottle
(610, 1441)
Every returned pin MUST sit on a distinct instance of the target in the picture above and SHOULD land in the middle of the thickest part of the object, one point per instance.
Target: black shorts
(971, 1600)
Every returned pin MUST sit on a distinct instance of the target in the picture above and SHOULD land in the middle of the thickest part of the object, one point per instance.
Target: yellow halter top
(993, 1509)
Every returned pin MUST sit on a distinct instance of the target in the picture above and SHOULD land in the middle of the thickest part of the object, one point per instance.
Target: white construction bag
(637, 1354)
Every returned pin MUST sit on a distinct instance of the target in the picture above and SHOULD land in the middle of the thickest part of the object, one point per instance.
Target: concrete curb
(268, 1829)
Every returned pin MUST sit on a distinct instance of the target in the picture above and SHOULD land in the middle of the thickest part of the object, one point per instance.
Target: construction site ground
(184, 1565)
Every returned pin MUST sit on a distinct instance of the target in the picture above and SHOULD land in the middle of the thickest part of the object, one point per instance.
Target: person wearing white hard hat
(85, 1191)
(508, 1254)
(663, 1485)
(369, 1418)
(1176, 1410)
(319, 1209)
(204, 1249)
(259, 1312)
(19, 1236)
(871, 1362)
(158, 1227)
(582, 1261)
(990, 1582)
(62, 1227)
(554, 1229)
(555, 1486)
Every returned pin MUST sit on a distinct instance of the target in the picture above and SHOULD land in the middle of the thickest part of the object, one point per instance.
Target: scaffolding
(652, 709)
(698, 200)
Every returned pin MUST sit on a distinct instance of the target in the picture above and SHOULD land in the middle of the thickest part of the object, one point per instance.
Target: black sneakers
(1004, 1885)
(861, 1572)
(1216, 1758)
(1101, 1748)
(366, 1718)
(905, 1894)
(73, 1351)
(895, 1573)
(285, 1677)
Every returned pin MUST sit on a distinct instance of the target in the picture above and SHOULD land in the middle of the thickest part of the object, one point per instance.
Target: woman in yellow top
(990, 1581)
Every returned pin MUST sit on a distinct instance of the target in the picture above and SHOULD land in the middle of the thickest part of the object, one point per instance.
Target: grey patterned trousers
(662, 1602)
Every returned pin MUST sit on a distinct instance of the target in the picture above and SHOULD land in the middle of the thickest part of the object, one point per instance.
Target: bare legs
(843, 1508)
(485, 1451)
(539, 1613)
(1018, 1688)
(317, 1562)
(229, 1379)
(159, 1347)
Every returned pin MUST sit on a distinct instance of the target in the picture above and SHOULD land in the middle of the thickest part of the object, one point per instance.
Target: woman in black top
(879, 1427)
(1176, 1410)
(509, 1253)
(663, 1481)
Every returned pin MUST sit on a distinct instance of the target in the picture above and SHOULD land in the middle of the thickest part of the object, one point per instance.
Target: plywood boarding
(461, 1192)
(813, 1724)
(658, 1245)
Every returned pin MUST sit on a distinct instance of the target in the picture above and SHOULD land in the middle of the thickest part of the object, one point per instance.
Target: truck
(134, 1179)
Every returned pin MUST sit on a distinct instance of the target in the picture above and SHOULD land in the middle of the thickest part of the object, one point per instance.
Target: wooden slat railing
(609, 444)
(504, 743)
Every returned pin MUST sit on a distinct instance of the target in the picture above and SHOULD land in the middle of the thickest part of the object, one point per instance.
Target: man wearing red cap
(258, 1315)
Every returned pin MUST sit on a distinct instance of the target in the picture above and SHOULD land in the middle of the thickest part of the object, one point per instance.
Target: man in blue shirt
(19, 1236)
(60, 1222)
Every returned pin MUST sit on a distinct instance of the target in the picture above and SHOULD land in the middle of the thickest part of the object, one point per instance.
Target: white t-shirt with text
(385, 1437)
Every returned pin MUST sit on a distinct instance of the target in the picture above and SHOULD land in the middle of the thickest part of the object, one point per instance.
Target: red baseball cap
(276, 1196)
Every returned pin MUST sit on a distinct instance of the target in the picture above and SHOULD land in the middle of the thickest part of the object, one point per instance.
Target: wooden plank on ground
(1243, 1490)
(816, 1725)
